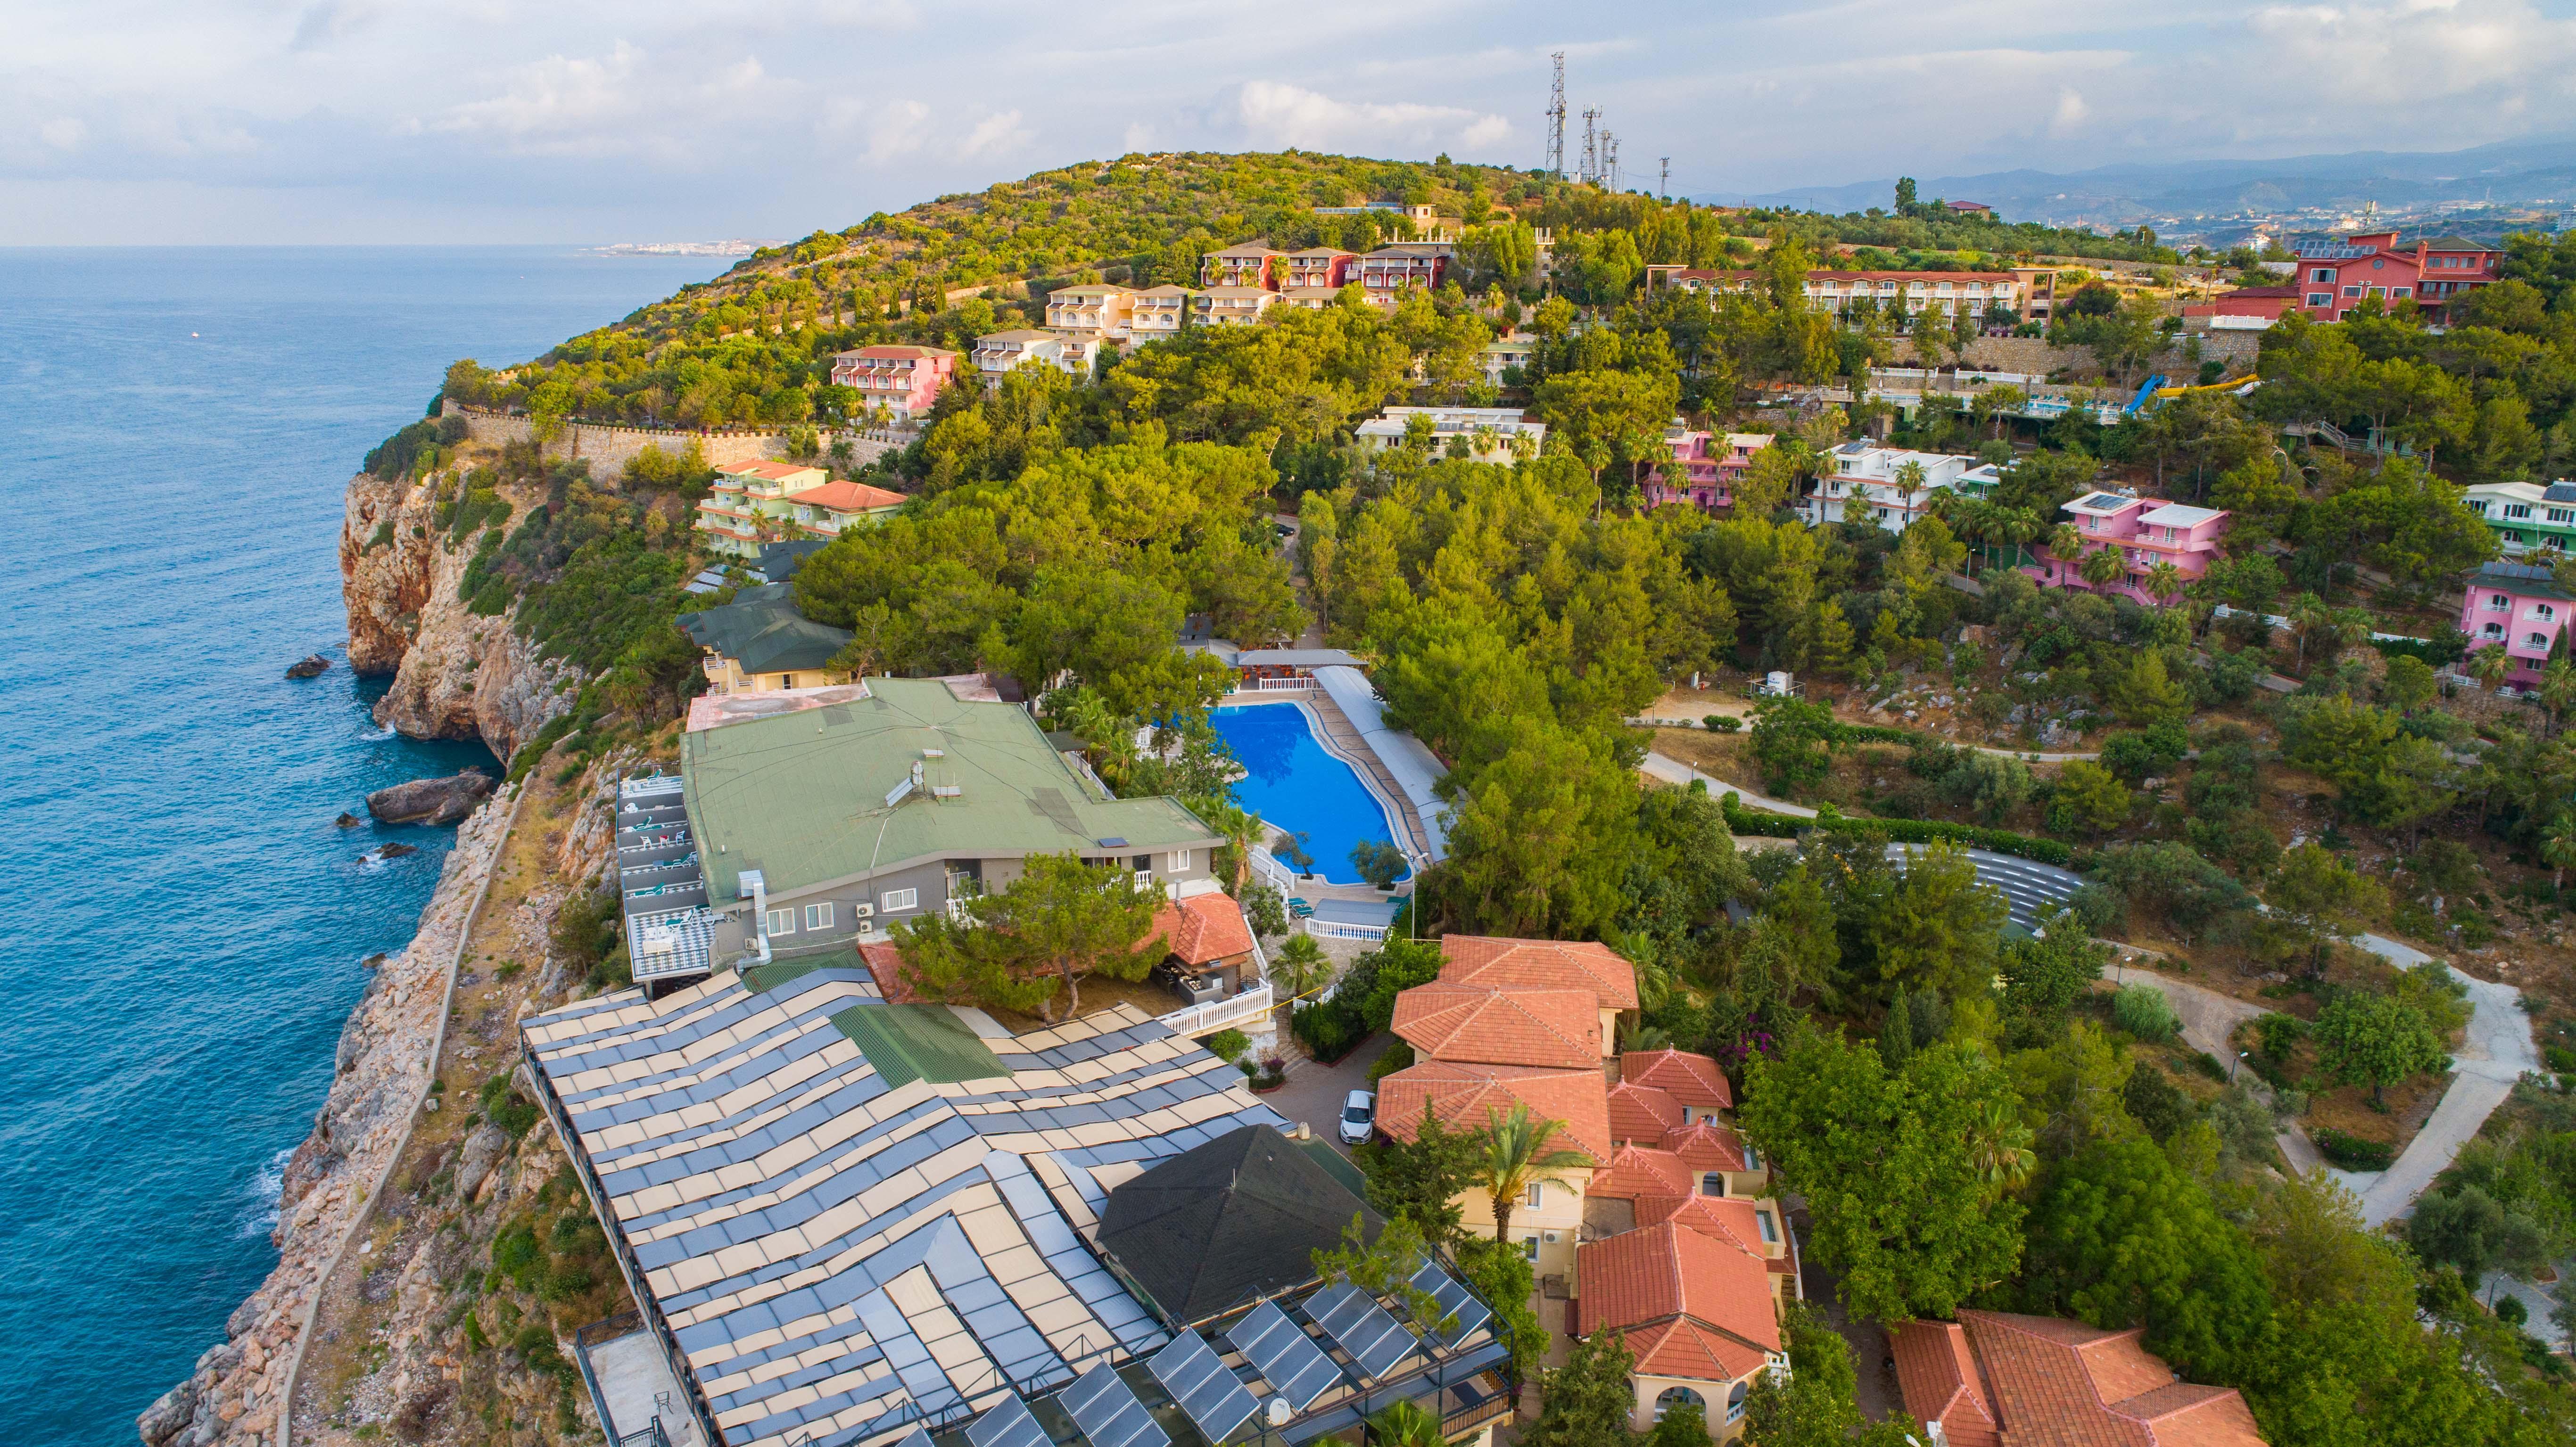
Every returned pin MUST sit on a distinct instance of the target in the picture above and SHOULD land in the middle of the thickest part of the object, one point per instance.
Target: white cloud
(1274, 113)
(329, 21)
(2070, 114)
(557, 101)
(64, 133)
(996, 135)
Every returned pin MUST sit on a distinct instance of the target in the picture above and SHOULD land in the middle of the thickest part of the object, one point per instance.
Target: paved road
(1674, 771)
(2209, 1021)
(2495, 1053)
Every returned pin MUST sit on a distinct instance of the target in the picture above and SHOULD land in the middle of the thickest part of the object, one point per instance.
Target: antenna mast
(1664, 184)
(1556, 121)
(1591, 172)
(1609, 177)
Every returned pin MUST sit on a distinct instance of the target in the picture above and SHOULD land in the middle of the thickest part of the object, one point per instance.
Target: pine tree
(1590, 1398)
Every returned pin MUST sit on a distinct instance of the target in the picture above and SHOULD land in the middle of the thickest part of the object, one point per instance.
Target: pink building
(2519, 608)
(2146, 531)
(1704, 468)
(1317, 274)
(903, 380)
(1390, 271)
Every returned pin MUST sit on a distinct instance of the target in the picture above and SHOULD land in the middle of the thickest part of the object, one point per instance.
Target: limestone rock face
(457, 674)
(432, 801)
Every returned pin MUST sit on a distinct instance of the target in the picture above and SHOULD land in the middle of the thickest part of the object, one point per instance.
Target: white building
(1493, 434)
(1091, 312)
(1865, 484)
(995, 355)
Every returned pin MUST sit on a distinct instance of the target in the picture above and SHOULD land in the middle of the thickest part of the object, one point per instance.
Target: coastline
(382, 1067)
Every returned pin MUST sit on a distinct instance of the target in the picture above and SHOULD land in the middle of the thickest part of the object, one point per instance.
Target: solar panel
(1107, 1411)
(1455, 1300)
(1361, 1327)
(1007, 1425)
(1286, 1357)
(1215, 1401)
(917, 1437)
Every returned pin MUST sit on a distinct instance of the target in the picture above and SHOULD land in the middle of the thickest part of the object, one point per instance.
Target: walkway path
(1674, 771)
(2495, 1053)
(2025, 755)
(2209, 1021)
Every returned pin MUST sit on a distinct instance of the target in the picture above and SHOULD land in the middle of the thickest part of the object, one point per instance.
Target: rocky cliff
(457, 675)
(412, 1332)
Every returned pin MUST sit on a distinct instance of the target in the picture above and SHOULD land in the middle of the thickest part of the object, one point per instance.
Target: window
(1536, 1196)
(1770, 1228)
(2478, 506)
(2498, 603)
(2544, 612)
(1752, 1159)
(2492, 630)
(1179, 862)
(2517, 509)
(2401, 291)
(1713, 1183)
(1529, 1247)
(2560, 515)
(2536, 640)
(818, 916)
(1735, 1402)
(2321, 298)
(780, 922)
(2322, 273)
(1671, 1397)
(895, 899)
(2352, 291)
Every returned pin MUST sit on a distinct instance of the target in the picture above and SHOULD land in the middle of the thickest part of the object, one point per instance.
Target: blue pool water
(1294, 785)
(182, 930)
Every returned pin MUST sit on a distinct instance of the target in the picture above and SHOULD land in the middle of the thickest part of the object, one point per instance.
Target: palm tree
(2309, 616)
(2489, 666)
(1297, 970)
(1241, 831)
(2164, 581)
(1517, 1156)
(1999, 1146)
(2066, 545)
(2557, 689)
(2558, 848)
(2103, 567)
(1908, 481)
(1405, 1422)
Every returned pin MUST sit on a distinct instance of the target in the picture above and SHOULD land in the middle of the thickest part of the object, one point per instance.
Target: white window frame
(1529, 1246)
(895, 899)
(780, 922)
(818, 916)
(1536, 1196)
(1178, 861)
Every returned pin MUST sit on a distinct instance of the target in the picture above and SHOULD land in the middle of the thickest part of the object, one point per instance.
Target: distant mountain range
(2508, 173)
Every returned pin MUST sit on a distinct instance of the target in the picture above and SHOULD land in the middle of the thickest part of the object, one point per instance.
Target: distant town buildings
(1482, 434)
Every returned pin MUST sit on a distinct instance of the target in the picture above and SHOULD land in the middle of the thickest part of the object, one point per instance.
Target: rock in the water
(393, 851)
(431, 801)
(347, 820)
(311, 665)
(162, 1420)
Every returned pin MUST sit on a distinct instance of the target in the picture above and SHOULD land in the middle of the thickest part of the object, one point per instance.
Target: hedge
(2447, 648)
(1763, 823)
(2351, 1153)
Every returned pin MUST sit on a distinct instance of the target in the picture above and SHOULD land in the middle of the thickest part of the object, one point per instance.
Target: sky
(129, 122)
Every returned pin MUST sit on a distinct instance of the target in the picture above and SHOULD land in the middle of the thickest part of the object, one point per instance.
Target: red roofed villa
(1992, 1379)
(1699, 1311)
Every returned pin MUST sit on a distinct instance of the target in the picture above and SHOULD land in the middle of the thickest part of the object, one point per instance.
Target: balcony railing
(1218, 1014)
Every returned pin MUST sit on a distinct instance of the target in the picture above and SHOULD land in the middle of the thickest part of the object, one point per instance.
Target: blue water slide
(2146, 390)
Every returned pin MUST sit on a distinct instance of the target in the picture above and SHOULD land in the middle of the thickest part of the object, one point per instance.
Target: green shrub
(2145, 1013)
(1765, 824)
(505, 1107)
(1394, 1058)
(2350, 1152)
(1724, 723)
(2276, 1035)
(1330, 1029)
(384, 536)
(1228, 1045)
(2560, 1058)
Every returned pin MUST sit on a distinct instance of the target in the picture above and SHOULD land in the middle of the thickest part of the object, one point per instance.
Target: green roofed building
(821, 828)
(760, 641)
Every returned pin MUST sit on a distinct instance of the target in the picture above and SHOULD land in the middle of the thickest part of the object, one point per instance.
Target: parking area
(1315, 1091)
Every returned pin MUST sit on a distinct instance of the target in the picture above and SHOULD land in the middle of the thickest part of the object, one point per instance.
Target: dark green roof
(905, 1043)
(1219, 1224)
(761, 631)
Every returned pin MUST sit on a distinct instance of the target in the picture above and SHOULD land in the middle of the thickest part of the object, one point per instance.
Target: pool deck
(1334, 732)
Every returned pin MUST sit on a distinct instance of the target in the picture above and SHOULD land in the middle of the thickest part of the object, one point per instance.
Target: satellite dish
(1280, 1412)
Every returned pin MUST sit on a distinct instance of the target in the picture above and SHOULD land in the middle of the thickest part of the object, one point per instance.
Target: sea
(183, 927)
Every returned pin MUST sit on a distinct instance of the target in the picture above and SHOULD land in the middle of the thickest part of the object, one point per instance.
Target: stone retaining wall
(609, 448)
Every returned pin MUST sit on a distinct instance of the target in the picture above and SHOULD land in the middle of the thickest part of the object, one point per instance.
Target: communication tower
(1556, 121)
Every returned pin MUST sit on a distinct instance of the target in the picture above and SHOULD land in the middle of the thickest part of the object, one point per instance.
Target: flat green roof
(905, 1043)
(802, 797)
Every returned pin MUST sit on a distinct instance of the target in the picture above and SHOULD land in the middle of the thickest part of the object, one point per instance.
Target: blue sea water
(182, 928)
(1293, 785)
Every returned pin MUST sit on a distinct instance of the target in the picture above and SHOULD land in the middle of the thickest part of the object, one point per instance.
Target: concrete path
(2536, 1303)
(2025, 755)
(2209, 1021)
(2496, 1051)
(1674, 771)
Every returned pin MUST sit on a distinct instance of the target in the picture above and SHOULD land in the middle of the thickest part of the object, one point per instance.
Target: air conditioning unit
(1550, 1237)
(863, 911)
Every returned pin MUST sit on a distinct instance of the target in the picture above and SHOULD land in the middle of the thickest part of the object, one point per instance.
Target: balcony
(1217, 1015)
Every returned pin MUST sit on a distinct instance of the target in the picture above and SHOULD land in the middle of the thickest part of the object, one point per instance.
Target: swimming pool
(1295, 786)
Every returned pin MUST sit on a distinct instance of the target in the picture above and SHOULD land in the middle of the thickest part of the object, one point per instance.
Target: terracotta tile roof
(1471, 1023)
(767, 471)
(1937, 1376)
(1693, 1080)
(1541, 964)
(1638, 1112)
(1728, 1218)
(1204, 928)
(847, 497)
(1462, 1096)
(1655, 1273)
(1706, 1147)
(2059, 1383)
(1683, 1348)
(886, 963)
(1640, 1174)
